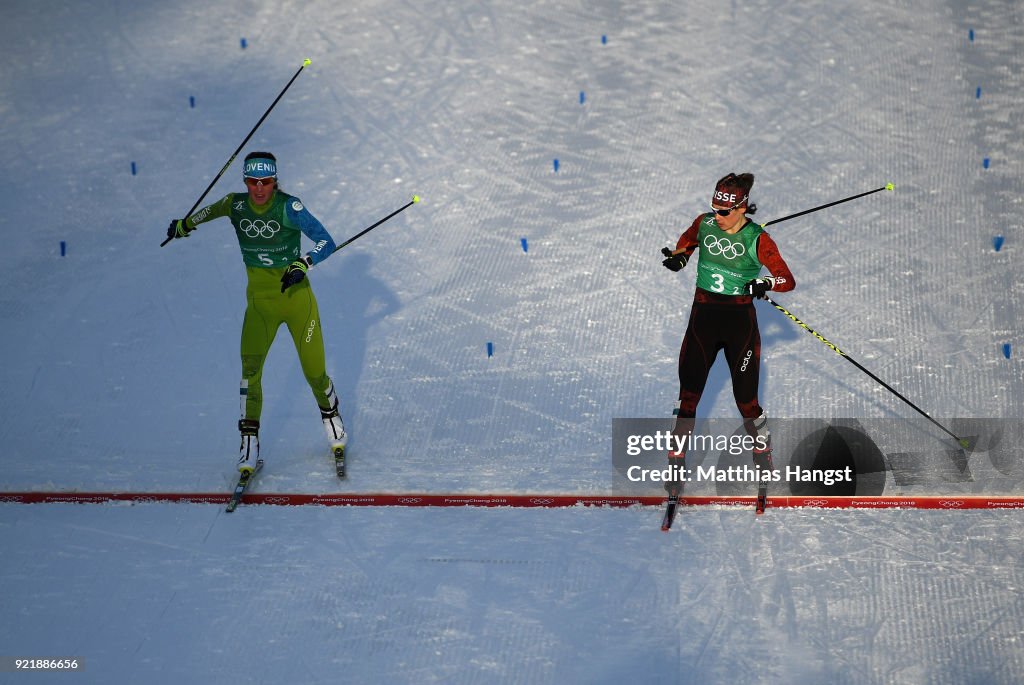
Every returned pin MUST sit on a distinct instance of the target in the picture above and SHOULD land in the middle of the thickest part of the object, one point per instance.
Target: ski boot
(762, 450)
(335, 429)
(762, 455)
(249, 451)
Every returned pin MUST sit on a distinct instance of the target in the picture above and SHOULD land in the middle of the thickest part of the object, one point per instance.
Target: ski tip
(889, 186)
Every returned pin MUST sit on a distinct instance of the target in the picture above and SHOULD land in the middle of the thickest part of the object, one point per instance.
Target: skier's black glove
(178, 229)
(759, 287)
(675, 262)
(295, 273)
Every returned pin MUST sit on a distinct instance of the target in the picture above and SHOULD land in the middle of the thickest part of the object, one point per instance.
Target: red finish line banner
(519, 501)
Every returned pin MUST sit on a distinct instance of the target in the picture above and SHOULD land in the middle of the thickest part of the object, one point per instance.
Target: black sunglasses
(727, 212)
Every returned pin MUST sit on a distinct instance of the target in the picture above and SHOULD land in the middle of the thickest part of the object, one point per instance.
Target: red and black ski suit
(729, 323)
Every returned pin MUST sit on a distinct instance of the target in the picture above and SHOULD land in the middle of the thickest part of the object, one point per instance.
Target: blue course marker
(985, 162)
(244, 43)
(133, 168)
(63, 248)
(997, 242)
(1006, 350)
(522, 241)
(556, 166)
(490, 349)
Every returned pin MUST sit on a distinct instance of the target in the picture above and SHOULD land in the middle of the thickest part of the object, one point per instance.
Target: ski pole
(415, 199)
(961, 441)
(887, 186)
(305, 64)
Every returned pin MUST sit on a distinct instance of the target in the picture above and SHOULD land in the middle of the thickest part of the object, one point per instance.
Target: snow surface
(121, 361)
(155, 593)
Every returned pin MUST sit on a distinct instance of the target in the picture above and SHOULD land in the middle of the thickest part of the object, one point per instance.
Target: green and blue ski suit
(269, 237)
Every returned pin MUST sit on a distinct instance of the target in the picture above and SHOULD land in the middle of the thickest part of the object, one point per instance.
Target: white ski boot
(249, 452)
(335, 429)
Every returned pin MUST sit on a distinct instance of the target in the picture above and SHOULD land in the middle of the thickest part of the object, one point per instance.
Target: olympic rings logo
(259, 228)
(726, 248)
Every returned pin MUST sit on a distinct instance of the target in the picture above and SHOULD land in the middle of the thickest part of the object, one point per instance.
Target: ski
(672, 503)
(242, 486)
(763, 464)
(670, 511)
(339, 461)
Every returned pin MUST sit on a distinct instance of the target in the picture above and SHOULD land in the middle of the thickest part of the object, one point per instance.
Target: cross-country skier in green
(269, 224)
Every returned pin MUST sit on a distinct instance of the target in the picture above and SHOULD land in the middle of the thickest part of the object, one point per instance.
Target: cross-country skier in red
(732, 252)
